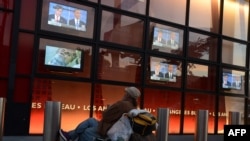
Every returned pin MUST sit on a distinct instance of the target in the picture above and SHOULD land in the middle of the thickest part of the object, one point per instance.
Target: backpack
(143, 124)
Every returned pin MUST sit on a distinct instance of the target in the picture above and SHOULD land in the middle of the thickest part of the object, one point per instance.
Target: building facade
(184, 55)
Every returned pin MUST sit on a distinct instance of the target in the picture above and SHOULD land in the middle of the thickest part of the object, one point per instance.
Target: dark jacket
(113, 113)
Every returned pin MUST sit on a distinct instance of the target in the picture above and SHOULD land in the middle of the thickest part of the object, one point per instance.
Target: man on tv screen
(172, 43)
(159, 39)
(56, 18)
(156, 74)
(76, 22)
(226, 83)
(170, 75)
(236, 82)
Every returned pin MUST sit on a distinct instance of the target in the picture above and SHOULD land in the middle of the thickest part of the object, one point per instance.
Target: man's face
(68, 55)
(78, 14)
(58, 12)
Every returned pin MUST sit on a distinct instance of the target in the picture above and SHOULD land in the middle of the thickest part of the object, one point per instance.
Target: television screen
(161, 71)
(63, 59)
(67, 17)
(163, 38)
(231, 81)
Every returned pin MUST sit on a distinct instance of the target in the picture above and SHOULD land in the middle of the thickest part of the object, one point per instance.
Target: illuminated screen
(67, 17)
(163, 38)
(63, 59)
(231, 81)
(161, 71)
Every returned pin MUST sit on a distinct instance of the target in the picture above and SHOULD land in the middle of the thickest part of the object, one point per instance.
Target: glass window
(28, 15)
(234, 53)
(235, 18)
(202, 77)
(164, 71)
(168, 10)
(205, 8)
(233, 81)
(229, 104)
(136, 6)
(8, 4)
(64, 58)
(157, 98)
(195, 102)
(68, 18)
(74, 97)
(121, 29)
(202, 47)
(166, 39)
(106, 95)
(126, 64)
(25, 53)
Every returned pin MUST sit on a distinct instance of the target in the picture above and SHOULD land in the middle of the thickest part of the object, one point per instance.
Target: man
(156, 74)
(170, 75)
(56, 17)
(226, 83)
(172, 43)
(159, 40)
(91, 128)
(237, 82)
(76, 21)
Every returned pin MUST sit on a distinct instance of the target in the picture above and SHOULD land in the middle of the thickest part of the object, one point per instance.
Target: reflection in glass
(155, 98)
(229, 104)
(233, 53)
(126, 64)
(236, 12)
(169, 10)
(195, 102)
(121, 29)
(201, 77)
(202, 46)
(74, 97)
(136, 6)
(205, 8)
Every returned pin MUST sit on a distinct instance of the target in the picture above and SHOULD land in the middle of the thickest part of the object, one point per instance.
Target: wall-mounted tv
(65, 16)
(164, 38)
(63, 59)
(231, 81)
(161, 71)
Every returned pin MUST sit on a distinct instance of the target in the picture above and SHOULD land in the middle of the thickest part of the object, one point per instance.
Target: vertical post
(2, 112)
(52, 121)
(234, 118)
(163, 121)
(201, 125)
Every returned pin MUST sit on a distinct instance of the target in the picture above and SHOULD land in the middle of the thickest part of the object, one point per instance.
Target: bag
(121, 130)
(143, 123)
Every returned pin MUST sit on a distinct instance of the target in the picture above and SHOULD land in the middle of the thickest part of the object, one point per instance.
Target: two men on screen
(77, 22)
(157, 74)
(56, 18)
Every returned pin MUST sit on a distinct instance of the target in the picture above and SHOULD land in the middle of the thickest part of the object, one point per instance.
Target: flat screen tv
(231, 81)
(68, 17)
(63, 59)
(164, 38)
(161, 71)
